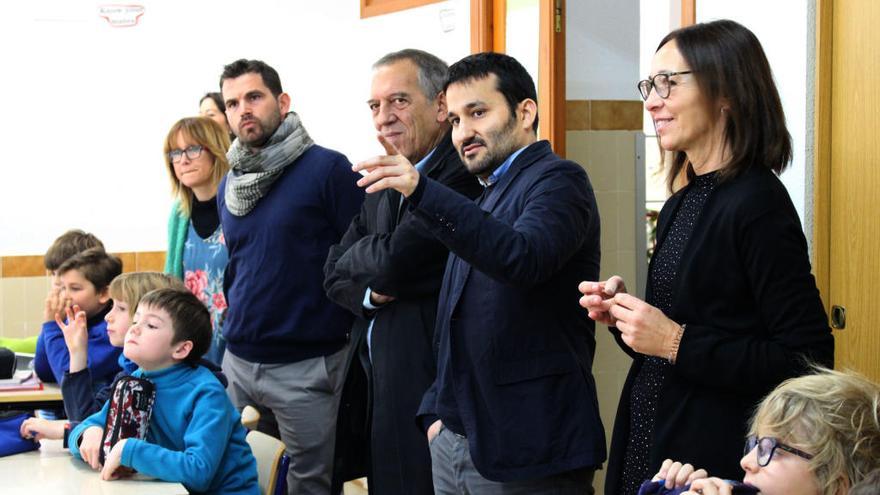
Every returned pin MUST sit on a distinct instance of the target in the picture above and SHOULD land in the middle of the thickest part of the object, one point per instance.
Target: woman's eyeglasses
(659, 82)
(192, 152)
(767, 446)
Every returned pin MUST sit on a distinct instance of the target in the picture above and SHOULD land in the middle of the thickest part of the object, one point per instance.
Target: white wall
(86, 106)
(522, 34)
(782, 28)
(657, 18)
(602, 50)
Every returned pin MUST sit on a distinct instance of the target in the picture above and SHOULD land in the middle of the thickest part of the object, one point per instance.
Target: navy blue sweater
(278, 311)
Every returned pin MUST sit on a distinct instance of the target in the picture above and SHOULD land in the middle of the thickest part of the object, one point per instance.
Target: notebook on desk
(21, 380)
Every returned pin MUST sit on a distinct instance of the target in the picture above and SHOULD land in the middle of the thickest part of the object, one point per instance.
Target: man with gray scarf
(283, 204)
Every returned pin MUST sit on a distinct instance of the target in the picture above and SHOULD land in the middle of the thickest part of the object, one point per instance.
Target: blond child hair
(835, 416)
(131, 287)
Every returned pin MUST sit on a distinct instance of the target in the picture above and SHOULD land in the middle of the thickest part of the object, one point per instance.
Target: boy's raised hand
(76, 336)
(55, 303)
(90, 446)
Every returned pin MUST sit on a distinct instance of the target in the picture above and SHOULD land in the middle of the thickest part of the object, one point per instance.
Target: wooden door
(847, 220)
(489, 34)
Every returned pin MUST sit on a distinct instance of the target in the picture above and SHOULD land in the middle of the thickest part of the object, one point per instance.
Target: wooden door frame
(370, 8)
(688, 12)
(488, 34)
(488, 26)
(822, 151)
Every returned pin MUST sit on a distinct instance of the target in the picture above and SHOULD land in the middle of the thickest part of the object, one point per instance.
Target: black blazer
(752, 313)
(386, 250)
(515, 349)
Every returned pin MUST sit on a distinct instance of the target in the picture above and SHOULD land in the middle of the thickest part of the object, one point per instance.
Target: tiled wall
(611, 158)
(21, 305)
(24, 285)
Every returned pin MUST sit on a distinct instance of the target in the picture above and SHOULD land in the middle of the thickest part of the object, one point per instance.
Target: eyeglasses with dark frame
(659, 82)
(192, 152)
(767, 446)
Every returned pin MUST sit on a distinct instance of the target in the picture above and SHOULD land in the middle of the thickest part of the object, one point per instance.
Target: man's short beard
(267, 129)
(503, 148)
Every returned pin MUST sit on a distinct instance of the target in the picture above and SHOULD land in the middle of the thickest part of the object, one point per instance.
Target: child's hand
(113, 468)
(90, 446)
(55, 304)
(39, 429)
(76, 336)
(676, 475)
(710, 486)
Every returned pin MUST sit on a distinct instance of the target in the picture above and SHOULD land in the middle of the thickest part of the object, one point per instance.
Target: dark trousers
(454, 473)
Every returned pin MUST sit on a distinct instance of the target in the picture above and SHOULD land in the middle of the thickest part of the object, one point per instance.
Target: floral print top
(204, 262)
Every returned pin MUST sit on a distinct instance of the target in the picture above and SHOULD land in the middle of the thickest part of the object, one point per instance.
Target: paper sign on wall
(121, 15)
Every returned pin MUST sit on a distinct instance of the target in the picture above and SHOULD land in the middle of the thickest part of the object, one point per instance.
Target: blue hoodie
(195, 435)
(81, 400)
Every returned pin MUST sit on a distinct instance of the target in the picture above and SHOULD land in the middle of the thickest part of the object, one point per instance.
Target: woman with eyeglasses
(195, 155)
(813, 435)
(731, 309)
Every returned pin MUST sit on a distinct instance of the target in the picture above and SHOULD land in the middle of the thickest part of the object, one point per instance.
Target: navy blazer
(515, 349)
(385, 249)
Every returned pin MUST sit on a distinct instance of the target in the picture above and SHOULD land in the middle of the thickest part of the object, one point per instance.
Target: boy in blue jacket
(80, 398)
(195, 435)
(66, 246)
(85, 278)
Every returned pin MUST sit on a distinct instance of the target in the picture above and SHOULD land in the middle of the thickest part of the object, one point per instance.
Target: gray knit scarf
(252, 172)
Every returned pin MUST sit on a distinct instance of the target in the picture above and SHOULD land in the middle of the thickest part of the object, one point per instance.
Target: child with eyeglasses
(813, 435)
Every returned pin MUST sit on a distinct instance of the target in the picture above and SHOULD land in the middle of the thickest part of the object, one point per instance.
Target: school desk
(52, 469)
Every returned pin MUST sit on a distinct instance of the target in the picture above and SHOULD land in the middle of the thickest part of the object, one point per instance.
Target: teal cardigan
(178, 225)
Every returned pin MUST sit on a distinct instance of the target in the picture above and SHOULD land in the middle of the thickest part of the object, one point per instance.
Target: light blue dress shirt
(367, 304)
(496, 175)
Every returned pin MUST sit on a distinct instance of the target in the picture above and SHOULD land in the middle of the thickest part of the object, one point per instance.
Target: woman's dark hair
(512, 79)
(218, 100)
(728, 63)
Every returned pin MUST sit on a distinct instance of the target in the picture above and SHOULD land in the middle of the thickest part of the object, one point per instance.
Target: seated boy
(195, 435)
(77, 389)
(66, 246)
(63, 248)
(85, 279)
